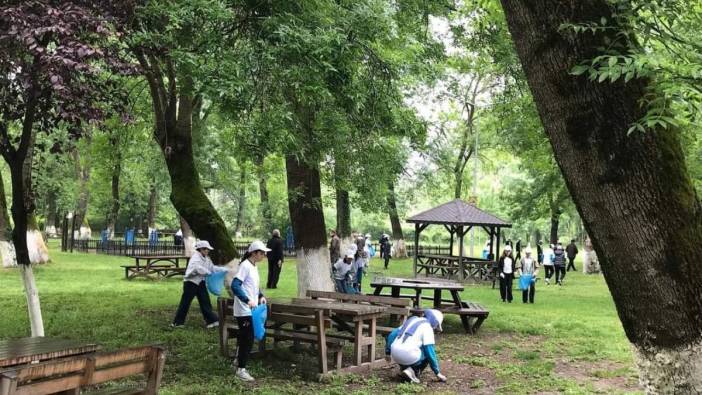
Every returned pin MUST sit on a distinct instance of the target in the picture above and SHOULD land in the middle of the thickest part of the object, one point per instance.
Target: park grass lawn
(570, 341)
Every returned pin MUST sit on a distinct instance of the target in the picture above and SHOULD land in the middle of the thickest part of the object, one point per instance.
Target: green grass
(85, 296)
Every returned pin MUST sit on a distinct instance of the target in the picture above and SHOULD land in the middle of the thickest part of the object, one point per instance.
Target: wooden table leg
(417, 297)
(322, 340)
(395, 293)
(378, 289)
(358, 344)
(371, 335)
(437, 298)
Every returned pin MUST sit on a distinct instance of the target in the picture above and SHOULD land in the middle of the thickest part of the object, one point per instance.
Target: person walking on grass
(199, 266)
(385, 249)
(247, 295)
(506, 268)
(528, 270)
(559, 262)
(548, 263)
(334, 246)
(412, 345)
(571, 251)
(275, 259)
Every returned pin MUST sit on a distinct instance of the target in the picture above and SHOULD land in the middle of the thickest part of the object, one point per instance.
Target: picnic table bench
(35, 349)
(397, 309)
(311, 322)
(472, 314)
(156, 267)
(70, 375)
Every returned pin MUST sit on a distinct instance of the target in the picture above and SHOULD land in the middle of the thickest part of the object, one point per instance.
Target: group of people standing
(554, 258)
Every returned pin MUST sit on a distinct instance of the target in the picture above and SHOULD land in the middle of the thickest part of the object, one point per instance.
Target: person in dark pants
(245, 287)
(529, 266)
(559, 262)
(385, 249)
(506, 268)
(199, 266)
(571, 251)
(275, 259)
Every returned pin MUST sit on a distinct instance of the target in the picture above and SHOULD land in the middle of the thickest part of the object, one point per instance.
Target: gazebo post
(492, 241)
(416, 247)
(497, 250)
(461, 264)
(451, 230)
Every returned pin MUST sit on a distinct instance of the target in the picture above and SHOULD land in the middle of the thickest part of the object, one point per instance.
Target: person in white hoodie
(199, 266)
(548, 263)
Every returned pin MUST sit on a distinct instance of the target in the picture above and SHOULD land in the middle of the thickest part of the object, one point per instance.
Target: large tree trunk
(343, 214)
(188, 238)
(263, 190)
(36, 247)
(307, 217)
(22, 209)
(241, 200)
(173, 118)
(397, 236)
(631, 190)
(83, 174)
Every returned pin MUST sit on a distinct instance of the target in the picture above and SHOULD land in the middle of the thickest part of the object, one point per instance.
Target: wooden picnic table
(34, 349)
(158, 265)
(352, 318)
(454, 305)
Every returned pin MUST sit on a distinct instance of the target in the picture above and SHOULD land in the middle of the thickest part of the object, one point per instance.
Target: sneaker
(409, 373)
(213, 325)
(174, 325)
(242, 374)
(548, 282)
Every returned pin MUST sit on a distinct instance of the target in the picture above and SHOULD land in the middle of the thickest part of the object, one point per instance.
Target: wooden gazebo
(458, 217)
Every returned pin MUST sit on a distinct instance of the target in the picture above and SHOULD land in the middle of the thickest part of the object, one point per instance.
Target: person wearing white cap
(199, 266)
(506, 268)
(528, 266)
(341, 272)
(412, 345)
(247, 292)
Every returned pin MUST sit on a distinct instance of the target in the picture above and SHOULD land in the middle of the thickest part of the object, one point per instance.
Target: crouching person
(412, 345)
(341, 272)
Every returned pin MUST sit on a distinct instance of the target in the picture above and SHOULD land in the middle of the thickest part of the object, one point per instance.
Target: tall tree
(631, 189)
(52, 73)
(181, 58)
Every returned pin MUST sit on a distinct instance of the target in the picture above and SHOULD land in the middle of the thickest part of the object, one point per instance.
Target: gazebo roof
(458, 212)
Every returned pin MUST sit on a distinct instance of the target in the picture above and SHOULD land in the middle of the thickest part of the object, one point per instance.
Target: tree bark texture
(51, 214)
(343, 214)
(152, 208)
(397, 236)
(632, 191)
(555, 222)
(36, 247)
(307, 217)
(241, 200)
(263, 191)
(173, 118)
(188, 239)
(7, 249)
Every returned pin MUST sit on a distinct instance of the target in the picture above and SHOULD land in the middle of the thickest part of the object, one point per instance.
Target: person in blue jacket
(412, 345)
(248, 295)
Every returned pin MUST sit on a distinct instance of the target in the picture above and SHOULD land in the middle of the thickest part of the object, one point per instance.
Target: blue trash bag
(258, 317)
(525, 281)
(371, 251)
(215, 283)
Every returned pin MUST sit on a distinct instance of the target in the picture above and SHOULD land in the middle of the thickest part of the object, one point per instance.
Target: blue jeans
(340, 286)
(359, 279)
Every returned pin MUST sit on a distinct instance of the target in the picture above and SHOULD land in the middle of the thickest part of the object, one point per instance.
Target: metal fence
(120, 247)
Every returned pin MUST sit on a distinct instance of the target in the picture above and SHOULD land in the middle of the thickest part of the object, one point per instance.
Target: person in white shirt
(199, 266)
(247, 292)
(412, 345)
(341, 272)
(548, 263)
(506, 268)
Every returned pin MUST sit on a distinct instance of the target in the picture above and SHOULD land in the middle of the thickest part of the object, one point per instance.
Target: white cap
(203, 244)
(527, 250)
(435, 318)
(349, 254)
(257, 245)
(368, 235)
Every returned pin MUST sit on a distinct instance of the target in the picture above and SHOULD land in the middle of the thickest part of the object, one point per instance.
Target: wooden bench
(472, 314)
(398, 309)
(228, 329)
(70, 375)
